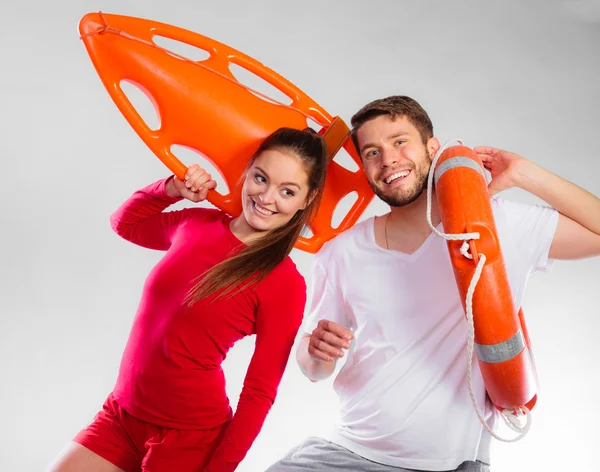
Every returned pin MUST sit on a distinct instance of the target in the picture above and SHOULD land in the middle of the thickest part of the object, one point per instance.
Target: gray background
(518, 75)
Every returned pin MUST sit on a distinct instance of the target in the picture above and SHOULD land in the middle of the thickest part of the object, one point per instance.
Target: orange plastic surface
(202, 106)
(465, 207)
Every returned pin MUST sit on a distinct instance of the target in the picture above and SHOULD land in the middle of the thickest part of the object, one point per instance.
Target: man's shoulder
(516, 211)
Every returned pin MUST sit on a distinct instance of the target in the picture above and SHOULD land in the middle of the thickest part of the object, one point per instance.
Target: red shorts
(134, 445)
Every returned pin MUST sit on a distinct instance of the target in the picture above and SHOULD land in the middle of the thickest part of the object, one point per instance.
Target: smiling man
(385, 291)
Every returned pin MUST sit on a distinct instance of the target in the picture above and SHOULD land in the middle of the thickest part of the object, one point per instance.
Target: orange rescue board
(202, 106)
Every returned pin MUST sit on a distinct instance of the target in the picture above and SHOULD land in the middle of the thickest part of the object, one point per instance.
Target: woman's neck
(243, 231)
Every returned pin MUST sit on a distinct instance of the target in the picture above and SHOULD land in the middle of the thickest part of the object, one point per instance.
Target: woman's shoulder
(283, 290)
(204, 215)
(285, 276)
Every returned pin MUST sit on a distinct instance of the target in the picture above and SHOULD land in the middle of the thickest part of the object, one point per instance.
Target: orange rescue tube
(502, 343)
(202, 106)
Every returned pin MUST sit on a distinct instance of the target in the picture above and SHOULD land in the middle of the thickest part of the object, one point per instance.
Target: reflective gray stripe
(458, 161)
(494, 353)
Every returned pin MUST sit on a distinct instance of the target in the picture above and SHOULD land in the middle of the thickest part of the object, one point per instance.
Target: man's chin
(399, 200)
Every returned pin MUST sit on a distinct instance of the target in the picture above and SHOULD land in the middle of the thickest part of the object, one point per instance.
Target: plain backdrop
(519, 75)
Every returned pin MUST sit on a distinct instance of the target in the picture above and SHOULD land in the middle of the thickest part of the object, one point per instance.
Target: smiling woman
(281, 194)
(266, 196)
(220, 280)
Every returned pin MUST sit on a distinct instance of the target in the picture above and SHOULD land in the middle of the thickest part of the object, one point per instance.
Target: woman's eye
(259, 178)
(288, 193)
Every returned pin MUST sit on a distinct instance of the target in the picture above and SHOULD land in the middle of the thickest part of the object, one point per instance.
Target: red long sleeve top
(170, 373)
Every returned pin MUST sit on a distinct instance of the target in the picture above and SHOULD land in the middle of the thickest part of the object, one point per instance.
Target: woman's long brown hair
(254, 262)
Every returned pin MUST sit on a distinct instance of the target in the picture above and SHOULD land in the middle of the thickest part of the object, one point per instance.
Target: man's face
(395, 160)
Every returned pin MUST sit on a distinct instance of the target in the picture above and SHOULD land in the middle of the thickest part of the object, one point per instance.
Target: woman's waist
(174, 398)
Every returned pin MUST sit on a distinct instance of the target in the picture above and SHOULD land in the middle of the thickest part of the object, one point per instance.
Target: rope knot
(103, 29)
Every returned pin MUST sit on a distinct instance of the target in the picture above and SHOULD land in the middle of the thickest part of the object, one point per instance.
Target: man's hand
(502, 165)
(328, 339)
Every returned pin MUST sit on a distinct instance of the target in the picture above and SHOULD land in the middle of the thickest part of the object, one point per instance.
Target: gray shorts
(316, 454)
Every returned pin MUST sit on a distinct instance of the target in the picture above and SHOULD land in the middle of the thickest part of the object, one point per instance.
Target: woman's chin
(262, 224)
(258, 223)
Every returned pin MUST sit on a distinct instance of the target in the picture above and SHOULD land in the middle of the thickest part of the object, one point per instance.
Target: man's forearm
(314, 369)
(566, 197)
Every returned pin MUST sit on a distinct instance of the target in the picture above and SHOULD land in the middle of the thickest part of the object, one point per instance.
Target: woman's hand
(195, 187)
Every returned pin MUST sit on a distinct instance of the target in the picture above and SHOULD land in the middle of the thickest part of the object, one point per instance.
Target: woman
(221, 279)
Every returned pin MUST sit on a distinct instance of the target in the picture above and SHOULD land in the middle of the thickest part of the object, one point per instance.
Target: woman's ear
(310, 198)
(242, 180)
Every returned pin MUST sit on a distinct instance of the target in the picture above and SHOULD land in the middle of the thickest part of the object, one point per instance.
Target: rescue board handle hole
(342, 208)
(191, 156)
(253, 81)
(186, 50)
(143, 102)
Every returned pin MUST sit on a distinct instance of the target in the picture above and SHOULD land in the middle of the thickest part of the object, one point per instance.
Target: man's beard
(406, 196)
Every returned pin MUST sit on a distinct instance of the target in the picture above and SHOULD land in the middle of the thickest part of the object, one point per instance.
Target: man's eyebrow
(391, 136)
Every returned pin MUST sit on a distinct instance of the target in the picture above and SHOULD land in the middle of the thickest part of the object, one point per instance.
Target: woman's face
(276, 187)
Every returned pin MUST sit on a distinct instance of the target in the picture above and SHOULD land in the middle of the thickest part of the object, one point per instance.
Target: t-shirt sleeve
(279, 316)
(142, 221)
(327, 301)
(532, 228)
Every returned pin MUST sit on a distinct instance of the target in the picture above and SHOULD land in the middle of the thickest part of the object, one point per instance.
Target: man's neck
(405, 228)
(412, 218)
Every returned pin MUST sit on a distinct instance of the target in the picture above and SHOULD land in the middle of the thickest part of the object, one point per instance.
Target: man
(385, 291)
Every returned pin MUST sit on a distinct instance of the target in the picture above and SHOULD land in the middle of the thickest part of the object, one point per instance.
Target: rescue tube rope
(511, 418)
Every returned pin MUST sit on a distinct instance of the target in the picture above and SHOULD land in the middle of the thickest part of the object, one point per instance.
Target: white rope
(511, 419)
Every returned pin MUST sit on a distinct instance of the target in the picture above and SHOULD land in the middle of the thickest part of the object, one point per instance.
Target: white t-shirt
(403, 389)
